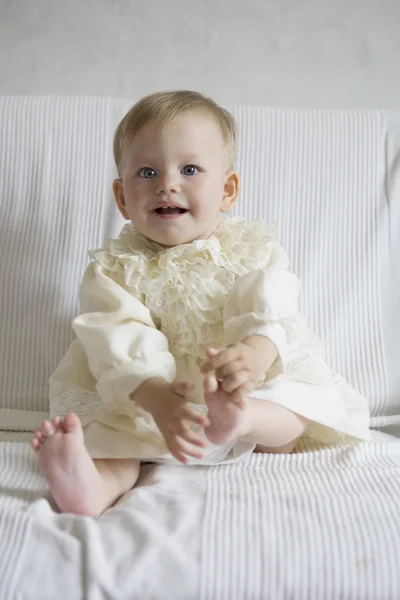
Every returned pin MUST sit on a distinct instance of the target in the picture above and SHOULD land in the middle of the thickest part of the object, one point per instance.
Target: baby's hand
(172, 415)
(240, 368)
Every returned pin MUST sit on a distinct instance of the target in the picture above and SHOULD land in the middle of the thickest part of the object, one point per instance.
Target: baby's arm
(127, 354)
(121, 342)
(257, 313)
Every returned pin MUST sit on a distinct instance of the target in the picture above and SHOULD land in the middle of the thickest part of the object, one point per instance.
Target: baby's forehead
(190, 131)
(188, 120)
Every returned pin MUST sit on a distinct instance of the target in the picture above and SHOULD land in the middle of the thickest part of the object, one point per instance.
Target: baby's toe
(57, 423)
(48, 429)
(71, 423)
(35, 444)
(210, 384)
(39, 437)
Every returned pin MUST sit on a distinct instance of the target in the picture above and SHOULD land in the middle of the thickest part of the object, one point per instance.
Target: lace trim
(164, 278)
(305, 357)
(88, 403)
(81, 403)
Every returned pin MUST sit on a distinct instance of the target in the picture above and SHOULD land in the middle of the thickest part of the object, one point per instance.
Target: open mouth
(170, 210)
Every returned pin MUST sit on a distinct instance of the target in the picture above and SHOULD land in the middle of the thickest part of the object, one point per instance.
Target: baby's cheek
(137, 186)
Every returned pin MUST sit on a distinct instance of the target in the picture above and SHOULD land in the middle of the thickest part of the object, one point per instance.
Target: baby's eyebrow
(143, 160)
(192, 157)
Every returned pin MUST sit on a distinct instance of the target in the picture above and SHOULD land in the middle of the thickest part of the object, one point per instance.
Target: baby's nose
(168, 183)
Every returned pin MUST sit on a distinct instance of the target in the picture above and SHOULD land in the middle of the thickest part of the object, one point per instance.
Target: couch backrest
(329, 178)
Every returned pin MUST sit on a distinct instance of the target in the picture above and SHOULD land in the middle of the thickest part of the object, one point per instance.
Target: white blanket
(321, 525)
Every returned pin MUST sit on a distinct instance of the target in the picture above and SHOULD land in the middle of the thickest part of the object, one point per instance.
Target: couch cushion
(330, 179)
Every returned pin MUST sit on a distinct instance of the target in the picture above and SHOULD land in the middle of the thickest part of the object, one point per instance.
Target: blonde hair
(163, 108)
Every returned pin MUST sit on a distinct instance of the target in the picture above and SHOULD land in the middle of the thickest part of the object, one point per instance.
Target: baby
(189, 346)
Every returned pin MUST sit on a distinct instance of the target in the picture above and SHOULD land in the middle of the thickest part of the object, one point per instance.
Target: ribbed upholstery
(322, 175)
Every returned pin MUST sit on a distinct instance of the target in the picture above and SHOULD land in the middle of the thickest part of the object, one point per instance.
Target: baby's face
(175, 180)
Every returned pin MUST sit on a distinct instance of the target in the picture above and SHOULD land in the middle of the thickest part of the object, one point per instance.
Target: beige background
(275, 52)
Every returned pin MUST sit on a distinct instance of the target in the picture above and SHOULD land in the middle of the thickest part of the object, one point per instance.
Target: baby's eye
(147, 173)
(189, 170)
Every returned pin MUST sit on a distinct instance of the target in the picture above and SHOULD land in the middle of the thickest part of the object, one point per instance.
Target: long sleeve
(121, 342)
(263, 302)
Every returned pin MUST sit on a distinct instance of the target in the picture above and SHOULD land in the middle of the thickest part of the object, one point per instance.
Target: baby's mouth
(170, 210)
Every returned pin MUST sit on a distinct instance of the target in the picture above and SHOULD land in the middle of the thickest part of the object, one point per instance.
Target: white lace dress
(151, 311)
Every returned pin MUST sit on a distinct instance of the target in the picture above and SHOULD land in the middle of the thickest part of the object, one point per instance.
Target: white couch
(323, 523)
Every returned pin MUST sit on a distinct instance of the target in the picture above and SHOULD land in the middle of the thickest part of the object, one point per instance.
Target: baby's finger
(233, 382)
(188, 449)
(173, 447)
(189, 414)
(183, 388)
(178, 454)
(224, 356)
(190, 436)
(241, 393)
(230, 368)
(211, 352)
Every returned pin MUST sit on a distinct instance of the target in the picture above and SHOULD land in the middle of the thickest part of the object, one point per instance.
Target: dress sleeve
(263, 302)
(123, 346)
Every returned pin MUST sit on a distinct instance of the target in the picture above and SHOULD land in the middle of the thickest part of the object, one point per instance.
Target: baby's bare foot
(73, 479)
(226, 417)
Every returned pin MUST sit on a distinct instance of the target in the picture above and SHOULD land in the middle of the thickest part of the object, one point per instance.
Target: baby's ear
(231, 191)
(119, 197)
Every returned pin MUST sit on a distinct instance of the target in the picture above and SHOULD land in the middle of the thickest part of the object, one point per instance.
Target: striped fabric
(55, 169)
(312, 526)
(321, 175)
(145, 547)
(324, 176)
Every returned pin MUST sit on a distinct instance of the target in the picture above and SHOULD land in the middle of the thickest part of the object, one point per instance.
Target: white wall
(275, 52)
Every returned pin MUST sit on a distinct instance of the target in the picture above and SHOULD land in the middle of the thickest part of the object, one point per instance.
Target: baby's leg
(286, 449)
(271, 427)
(78, 484)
